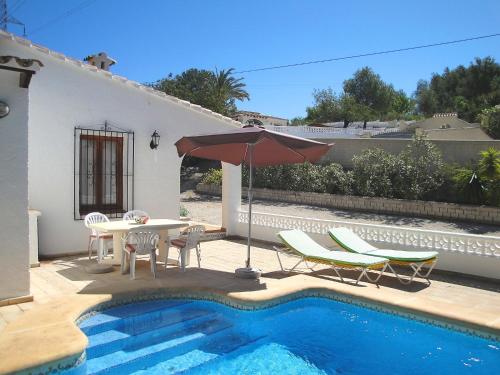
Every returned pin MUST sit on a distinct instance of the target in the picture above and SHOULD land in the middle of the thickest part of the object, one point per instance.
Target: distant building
(256, 118)
(448, 126)
(360, 124)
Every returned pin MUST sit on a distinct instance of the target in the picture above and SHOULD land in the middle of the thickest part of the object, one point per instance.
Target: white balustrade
(387, 236)
(329, 132)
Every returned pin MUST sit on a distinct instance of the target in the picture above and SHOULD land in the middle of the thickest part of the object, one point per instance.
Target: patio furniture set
(137, 234)
(254, 146)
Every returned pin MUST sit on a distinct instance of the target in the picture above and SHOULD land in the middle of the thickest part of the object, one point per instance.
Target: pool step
(116, 339)
(231, 348)
(202, 357)
(179, 364)
(118, 317)
(136, 355)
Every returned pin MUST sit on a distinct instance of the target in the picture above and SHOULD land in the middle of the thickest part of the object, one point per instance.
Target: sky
(152, 38)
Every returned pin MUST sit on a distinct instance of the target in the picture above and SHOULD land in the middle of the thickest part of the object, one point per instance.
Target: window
(103, 172)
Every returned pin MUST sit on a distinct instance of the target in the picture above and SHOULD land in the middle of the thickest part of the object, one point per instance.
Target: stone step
(113, 340)
(132, 359)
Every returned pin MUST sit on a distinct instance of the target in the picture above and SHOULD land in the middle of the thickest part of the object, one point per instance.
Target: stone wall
(461, 152)
(438, 210)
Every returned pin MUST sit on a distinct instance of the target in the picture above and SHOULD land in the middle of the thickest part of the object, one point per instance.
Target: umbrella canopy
(254, 146)
(269, 147)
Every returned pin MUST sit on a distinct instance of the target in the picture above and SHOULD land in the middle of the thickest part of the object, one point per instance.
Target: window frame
(99, 177)
(123, 173)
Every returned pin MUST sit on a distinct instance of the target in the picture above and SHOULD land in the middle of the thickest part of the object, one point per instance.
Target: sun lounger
(416, 260)
(300, 245)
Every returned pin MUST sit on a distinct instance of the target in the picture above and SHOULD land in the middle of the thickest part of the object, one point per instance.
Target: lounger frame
(335, 266)
(417, 268)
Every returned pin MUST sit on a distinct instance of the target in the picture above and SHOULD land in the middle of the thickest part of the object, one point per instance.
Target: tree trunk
(346, 123)
(364, 124)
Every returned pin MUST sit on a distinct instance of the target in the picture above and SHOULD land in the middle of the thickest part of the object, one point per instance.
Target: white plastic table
(120, 228)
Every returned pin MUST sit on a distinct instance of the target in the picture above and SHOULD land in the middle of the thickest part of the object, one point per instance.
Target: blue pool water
(306, 336)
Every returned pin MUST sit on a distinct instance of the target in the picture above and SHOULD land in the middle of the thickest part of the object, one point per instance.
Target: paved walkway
(207, 209)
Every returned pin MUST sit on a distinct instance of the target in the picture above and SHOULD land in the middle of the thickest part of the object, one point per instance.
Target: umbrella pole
(250, 193)
(248, 272)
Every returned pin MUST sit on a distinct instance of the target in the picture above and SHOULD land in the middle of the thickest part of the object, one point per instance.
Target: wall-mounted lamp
(4, 109)
(155, 140)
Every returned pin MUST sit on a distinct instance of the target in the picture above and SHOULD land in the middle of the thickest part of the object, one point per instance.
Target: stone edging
(429, 209)
(61, 327)
(307, 293)
(77, 360)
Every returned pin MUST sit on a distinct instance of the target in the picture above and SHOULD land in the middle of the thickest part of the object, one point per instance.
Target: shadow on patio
(219, 260)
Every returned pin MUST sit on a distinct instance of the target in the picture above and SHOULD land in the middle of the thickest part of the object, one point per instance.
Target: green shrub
(374, 172)
(183, 211)
(489, 164)
(489, 171)
(493, 192)
(212, 177)
(420, 170)
(468, 187)
(413, 174)
(307, 177)
(336, 180)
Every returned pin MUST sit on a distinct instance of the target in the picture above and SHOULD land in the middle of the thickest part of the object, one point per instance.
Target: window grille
(104, 172)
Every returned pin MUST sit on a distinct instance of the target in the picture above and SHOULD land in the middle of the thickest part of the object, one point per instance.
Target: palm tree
(489, 164)
(226, 90)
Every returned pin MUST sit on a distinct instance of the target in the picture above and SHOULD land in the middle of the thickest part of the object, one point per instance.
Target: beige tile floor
(61, 288)
(67, 276)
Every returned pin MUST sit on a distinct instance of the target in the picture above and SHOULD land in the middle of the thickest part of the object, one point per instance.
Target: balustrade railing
(387, 236)
(328, 132)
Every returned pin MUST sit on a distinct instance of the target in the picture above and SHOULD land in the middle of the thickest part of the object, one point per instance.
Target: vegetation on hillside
(365, 97)
(465, 90)
(470, 91)
(490, 121)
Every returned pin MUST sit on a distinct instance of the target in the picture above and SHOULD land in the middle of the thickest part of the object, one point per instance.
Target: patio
(63, 290)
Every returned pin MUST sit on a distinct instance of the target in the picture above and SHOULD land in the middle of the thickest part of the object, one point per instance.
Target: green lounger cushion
(405, 256)
(350, 241)
(304, 245)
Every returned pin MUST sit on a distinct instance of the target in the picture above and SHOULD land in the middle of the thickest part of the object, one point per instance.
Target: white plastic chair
(140, 243)
(95, 236)
(130, 215)
(190, 241)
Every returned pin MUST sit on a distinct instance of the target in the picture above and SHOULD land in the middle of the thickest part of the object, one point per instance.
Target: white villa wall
(63, 96)
(14, 253)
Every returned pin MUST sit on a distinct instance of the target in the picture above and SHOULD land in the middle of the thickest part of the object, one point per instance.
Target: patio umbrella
(256, 147)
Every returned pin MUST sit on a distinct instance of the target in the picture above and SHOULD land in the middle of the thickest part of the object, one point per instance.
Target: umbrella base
(248, 273)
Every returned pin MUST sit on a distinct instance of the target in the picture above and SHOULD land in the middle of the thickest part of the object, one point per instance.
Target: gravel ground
(207, 209)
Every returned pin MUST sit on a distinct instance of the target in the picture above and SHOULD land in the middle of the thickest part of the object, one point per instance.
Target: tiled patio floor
(67, 276)
(62, 283)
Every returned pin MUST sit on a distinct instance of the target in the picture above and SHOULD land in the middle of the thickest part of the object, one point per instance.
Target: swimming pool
(305, 336)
